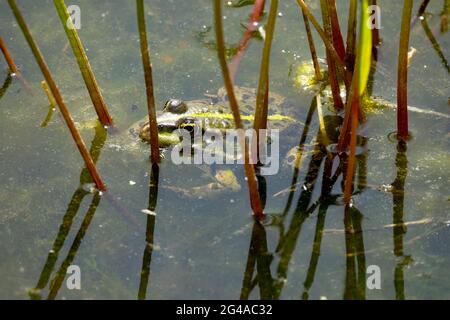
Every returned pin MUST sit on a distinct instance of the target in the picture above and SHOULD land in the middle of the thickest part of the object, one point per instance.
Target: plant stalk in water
(263, 85)
(57, 95)
(338, 41)
(402, 75)
(359, 84)
(145, 53)
(350, 53)
(327, 43)
(83, 63)
(255, 200)
(312, 47)
(332, 71)
(12, 66)
(9, 60)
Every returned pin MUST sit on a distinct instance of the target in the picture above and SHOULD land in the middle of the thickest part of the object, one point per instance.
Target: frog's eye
(189, 124)
(175, 106)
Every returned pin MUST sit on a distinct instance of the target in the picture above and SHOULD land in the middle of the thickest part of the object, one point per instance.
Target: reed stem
(312, 47)
(329, 46)
(263, 85)
(145, 53)
(12, 66)
(338, 41)
(9, 60)
(350, 53)
(445, 17)
(255, 200)
(57, 95)
(332, 71)
(83, 63)
(402, 75)
(376, 40)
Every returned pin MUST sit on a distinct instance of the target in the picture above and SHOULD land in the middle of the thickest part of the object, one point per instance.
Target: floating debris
(148, 212)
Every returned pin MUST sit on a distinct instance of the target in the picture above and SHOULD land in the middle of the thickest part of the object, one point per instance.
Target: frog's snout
(167, 127)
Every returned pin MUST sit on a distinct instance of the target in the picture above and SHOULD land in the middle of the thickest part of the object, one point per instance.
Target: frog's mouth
(167, 139)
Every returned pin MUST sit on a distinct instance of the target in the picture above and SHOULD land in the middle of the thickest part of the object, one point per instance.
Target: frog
(213, 112)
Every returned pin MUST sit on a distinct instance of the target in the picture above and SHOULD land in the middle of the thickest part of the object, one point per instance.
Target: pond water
(210, 247)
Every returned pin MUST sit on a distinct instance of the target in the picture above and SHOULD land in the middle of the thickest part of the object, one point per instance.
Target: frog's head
(173, 117)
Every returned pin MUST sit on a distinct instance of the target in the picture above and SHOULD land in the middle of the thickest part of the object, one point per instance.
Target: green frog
(213, 112)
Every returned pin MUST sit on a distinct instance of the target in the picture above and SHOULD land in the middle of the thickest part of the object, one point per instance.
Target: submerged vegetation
(341, 87)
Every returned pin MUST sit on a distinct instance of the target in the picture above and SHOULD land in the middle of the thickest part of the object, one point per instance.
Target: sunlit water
(204, 248)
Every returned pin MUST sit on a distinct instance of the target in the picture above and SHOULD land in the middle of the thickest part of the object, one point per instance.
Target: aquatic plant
(145, 54)
(9, 60)
(402, 76)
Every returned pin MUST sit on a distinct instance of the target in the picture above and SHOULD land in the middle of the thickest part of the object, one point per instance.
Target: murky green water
(211, 248)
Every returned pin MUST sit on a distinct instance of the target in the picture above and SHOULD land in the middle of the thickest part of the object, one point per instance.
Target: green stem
(263, 86)
(83, 63)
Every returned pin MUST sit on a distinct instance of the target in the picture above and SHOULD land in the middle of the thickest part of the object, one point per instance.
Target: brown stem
(338, 41)
(350, 54)
(402, 77)
(329, 46)
(8, 57)
(376, 40)
(312, 47)
(332, 71)
(12, 66)
(154, 143)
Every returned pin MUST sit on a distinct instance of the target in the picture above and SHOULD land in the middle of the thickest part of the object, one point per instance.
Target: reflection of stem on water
(151, 219)
(435, 44)
(355, 281)
(288, 242)
(399, 229)
(61, 274)
(301, 147)
(72, 210)
(315, 254)
(258, 255)
(362, 166)
(5, 85)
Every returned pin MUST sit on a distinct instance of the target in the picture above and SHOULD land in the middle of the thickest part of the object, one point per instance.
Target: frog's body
(213, 112)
